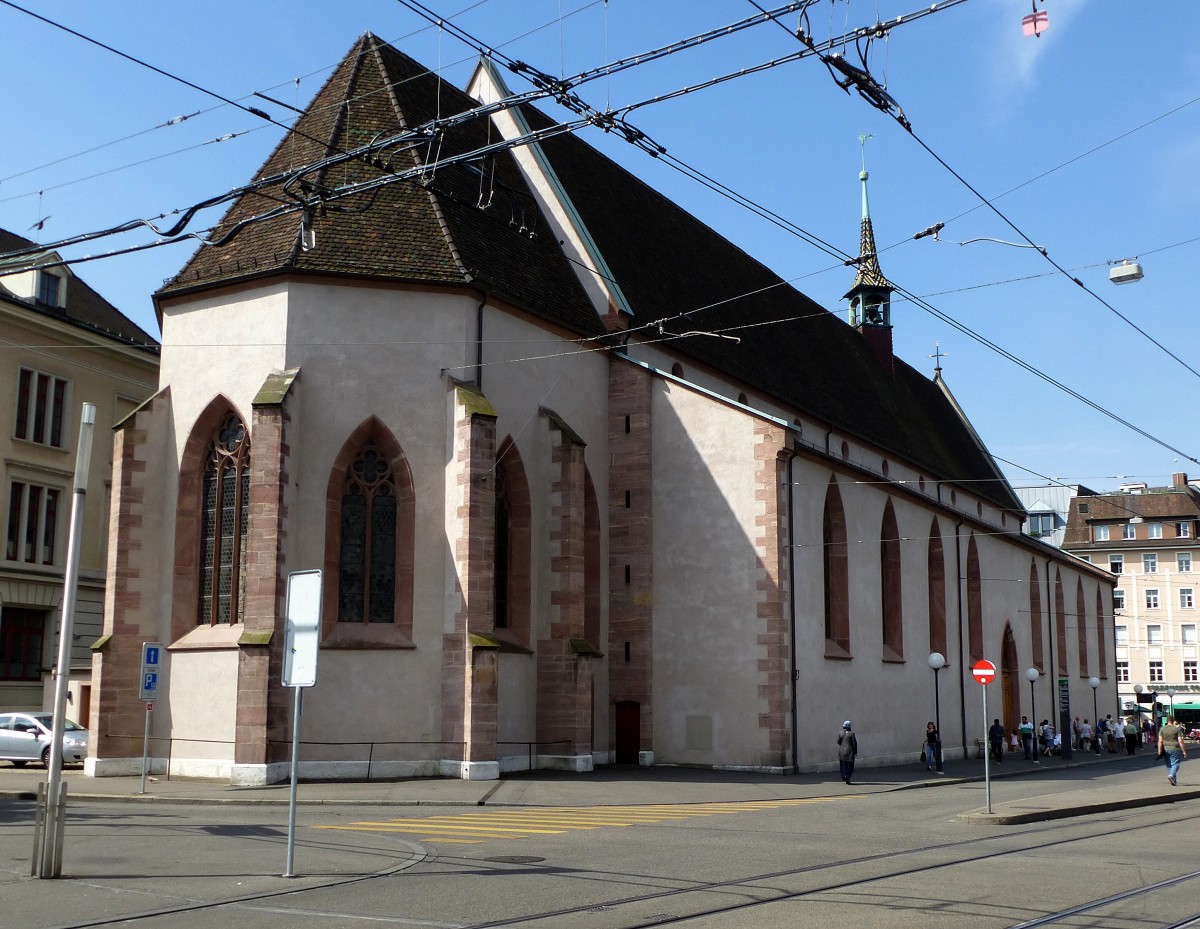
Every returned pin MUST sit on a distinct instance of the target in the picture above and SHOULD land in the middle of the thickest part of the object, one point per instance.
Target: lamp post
(1171, 693)
(937, 661)
(1137, 689)
(1094, 682)
(1031, 675)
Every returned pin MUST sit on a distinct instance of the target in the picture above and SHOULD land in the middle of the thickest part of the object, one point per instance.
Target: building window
(1154, 635)
(32, 523)
(1118, 599)
(1128, 531)
(1122, 672)
(835, 557)
(21, 635)
(1122, 634)
(1187, 634)
(1041, 524)
(1101, 533)
(41, 400)
(1154, 530)
(49, 288)
(367, 562)
(1183, 530)
(1150, 563)
(1156, 672)
(1183, 562)
(225, 509)
(891, 592)
(1116, 563)
(1152, 598)
(1186, 600)
(1191, 672)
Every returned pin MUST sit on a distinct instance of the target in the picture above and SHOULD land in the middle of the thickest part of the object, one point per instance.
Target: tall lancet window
(367, 566)
(223, 523)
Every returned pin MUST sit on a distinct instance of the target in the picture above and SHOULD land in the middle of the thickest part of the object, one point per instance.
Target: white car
(25, 737)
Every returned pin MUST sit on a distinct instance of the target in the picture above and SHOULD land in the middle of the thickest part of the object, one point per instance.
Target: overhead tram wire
(638, 139)
(416, 135)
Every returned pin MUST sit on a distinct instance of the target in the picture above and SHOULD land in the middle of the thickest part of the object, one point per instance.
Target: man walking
(1026, 730)
(847, 749)
(996, 740)
(1118, 734)
(1170, 745)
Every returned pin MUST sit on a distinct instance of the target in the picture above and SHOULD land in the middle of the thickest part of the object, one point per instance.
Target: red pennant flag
(1035, 23)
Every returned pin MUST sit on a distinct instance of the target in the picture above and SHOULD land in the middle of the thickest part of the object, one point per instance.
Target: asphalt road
(880, 860)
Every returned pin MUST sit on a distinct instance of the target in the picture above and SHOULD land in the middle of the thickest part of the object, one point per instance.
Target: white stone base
(752, 769)
(259, 775)
(470, 770)
(646, 759)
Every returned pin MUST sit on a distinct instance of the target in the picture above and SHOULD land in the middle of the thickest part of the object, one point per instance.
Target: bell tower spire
(870, 296)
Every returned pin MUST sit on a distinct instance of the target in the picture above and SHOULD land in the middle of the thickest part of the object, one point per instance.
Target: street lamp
(1094, 682)
(1137, 689)
(1171, 693)
(937, 661)
(1031, 675)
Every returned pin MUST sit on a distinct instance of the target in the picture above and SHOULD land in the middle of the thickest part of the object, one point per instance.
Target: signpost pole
(291, 841)
(987, 753)
(146, 744)
(300, 647)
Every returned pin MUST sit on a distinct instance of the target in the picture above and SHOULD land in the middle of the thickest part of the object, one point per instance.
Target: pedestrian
(1131, 736)
(996, 740)
(1085, 737)
(1026, 730)
(1170, 748)
(1047, 737)
(1112, 728)
(931, 742)
(1118, 734)
(1075, 733)
(847, 749)
(1101, 736)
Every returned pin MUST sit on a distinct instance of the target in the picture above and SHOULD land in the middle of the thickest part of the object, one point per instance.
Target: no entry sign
(984, 671)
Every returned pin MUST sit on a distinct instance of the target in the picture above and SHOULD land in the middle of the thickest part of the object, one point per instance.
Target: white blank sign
(303, 614)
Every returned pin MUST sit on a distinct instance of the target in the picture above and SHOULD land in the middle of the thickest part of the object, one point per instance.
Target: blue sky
(1087, 139)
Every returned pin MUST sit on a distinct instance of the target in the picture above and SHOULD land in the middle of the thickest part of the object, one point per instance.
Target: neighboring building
(62, 345)
(1047, 506)
(1147, 537)
(586, 482)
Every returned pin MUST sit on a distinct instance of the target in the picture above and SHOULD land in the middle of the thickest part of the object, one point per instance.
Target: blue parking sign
(151, 663)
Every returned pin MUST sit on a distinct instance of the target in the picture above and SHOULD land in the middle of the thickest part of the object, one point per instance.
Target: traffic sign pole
(985, 672)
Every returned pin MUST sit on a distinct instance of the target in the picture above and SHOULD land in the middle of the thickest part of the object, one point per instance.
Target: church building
(586, 483)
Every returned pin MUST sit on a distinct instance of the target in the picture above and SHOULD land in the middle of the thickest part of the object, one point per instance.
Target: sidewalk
(1051, 798)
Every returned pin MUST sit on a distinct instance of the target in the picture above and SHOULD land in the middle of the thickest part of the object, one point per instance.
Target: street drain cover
(516, 859)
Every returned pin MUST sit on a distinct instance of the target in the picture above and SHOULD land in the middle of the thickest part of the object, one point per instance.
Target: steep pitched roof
(667, 261)
(84, 307)
(469, 225)
(1165, 505)
(427, 231)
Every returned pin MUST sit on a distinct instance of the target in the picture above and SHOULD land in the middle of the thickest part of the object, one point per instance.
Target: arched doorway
(1010, 684)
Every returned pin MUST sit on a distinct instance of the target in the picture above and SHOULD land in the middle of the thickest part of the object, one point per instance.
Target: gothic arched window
(225, 509)
(367, 559)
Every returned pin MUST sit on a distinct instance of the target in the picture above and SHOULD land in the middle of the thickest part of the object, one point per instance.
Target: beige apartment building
(1147, 537)
(61, 345)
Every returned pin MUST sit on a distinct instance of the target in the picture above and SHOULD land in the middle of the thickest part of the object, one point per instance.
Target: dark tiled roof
(430, 231)
(667, 261)
(1159, 505)
(663, 259)
(85, 308)
(869, 273)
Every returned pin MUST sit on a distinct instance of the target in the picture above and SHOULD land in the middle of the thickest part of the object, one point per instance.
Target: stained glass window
(367, 560)
(223, 525)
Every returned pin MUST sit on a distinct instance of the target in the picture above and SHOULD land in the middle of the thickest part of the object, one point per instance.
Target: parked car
(25, 737)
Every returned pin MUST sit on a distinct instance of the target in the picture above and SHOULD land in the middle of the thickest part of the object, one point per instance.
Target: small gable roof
(84, 307)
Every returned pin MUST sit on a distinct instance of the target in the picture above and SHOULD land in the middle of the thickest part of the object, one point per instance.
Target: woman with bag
(931, 743)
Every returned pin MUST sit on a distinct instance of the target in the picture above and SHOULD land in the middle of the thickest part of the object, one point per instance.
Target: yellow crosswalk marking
(476, 827)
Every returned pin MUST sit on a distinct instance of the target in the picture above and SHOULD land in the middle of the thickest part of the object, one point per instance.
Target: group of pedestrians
(1115, 734)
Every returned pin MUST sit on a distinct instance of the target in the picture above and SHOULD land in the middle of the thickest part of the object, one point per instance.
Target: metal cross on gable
(938, 355)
